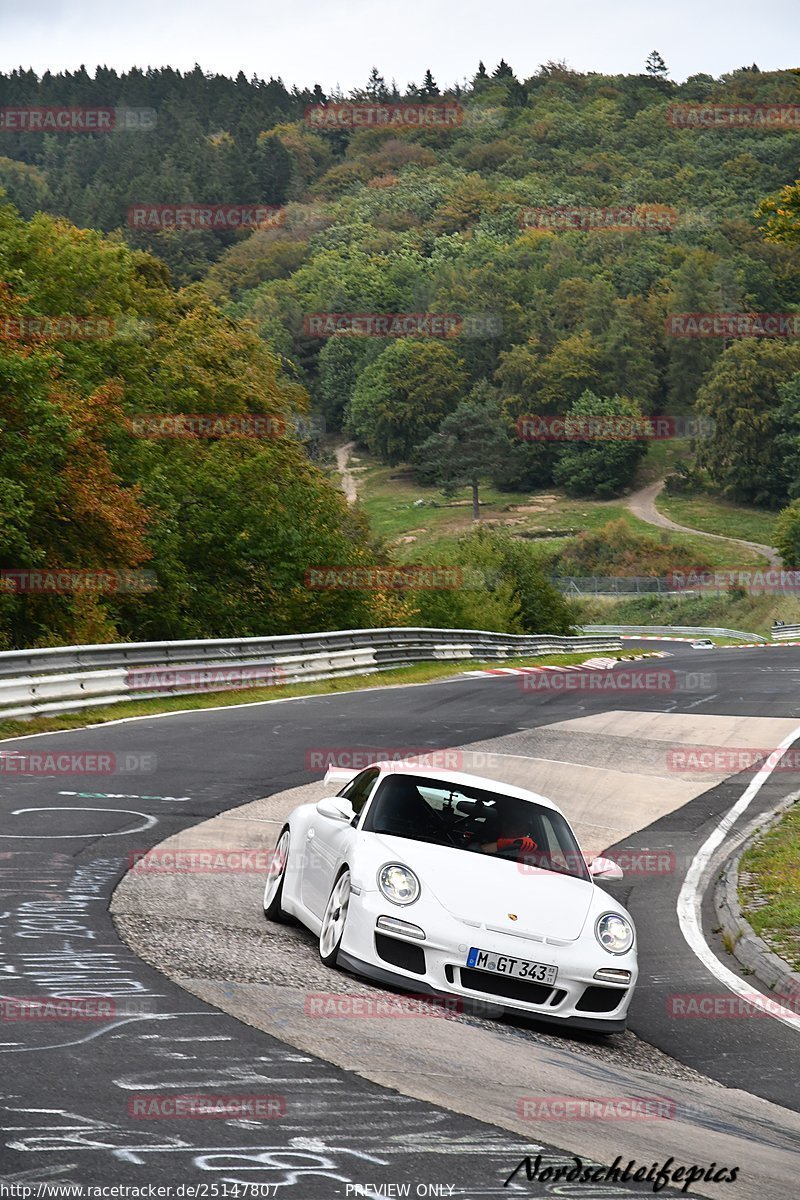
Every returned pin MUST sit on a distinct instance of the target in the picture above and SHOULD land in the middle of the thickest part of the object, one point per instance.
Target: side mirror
(604, 868)
(337, 808)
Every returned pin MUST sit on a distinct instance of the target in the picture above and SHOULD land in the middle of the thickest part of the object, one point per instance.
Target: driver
(512, 822)
(524, 846)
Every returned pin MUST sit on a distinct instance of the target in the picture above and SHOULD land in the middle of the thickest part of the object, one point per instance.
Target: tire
(273, 889)
(333, 921)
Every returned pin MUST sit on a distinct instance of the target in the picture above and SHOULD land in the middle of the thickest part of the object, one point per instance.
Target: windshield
(475, 820)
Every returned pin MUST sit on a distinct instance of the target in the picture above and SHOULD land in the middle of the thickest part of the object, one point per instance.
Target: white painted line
(16, 1048)
(689, 898)
(149, 822)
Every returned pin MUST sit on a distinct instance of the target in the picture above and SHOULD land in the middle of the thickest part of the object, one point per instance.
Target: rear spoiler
(340, 775)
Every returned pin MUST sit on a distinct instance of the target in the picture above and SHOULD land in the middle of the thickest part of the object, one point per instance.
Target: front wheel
(333, 922)
(273, 891)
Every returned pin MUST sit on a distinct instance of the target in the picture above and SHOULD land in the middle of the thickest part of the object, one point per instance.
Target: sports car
(450, 884)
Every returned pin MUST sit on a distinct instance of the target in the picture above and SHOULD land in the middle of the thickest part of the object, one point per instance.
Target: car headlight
(614, 933)
(398, 883)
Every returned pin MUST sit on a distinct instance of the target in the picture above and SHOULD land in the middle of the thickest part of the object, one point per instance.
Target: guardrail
(785, 633)
(37, 682)
(673, 631)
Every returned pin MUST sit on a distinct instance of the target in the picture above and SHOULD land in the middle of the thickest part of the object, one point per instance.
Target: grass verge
(419, 521)
(719, 516)
(730, 610)
(769, 887)
(418, 673)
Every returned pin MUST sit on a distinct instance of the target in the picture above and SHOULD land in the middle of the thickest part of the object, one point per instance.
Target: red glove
(524, 844)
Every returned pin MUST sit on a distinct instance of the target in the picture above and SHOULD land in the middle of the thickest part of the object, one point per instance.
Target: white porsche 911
(453, 885)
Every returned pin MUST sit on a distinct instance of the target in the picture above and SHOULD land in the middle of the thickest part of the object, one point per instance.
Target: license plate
(518, 968)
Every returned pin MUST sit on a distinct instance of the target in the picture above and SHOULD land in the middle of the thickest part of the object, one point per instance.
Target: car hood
(480, 888)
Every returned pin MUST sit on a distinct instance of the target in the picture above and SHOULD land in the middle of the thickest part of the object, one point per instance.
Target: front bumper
(437, 966)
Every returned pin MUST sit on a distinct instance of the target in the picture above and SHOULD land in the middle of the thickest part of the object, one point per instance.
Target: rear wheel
(333, 922)
(273, 891)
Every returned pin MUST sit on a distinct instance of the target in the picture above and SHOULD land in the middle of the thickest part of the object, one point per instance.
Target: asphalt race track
(69, 1089)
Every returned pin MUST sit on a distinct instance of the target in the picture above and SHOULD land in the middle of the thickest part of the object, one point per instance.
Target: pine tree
(656, 66)
(429, 85)
(273, 169)
(471, 443)
(376, 88)
(480, 80)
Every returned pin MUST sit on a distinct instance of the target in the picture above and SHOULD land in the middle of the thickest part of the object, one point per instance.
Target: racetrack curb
(746, 946)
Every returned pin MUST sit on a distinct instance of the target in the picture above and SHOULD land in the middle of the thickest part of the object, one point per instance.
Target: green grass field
(398, 507)
(414, 518)
(661, 459)
(753, 614)
(769, 887)
(719, 516)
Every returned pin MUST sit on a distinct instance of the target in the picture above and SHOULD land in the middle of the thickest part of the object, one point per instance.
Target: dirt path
(643, 505)
(348, 482)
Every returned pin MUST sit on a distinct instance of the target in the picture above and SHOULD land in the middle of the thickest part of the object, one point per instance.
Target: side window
(358, 789)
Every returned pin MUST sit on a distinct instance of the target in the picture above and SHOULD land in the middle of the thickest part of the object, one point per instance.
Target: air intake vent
(601, 999)
(400, 954)
(501, 985)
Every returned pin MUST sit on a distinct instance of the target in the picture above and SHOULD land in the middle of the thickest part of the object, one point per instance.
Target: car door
(328, 843)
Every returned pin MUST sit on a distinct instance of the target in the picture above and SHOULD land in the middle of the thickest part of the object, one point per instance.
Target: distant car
(703, 644)
(453, 885)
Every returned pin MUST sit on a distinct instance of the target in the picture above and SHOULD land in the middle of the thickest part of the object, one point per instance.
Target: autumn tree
(742, 398)
(401, 397)
(602, 465)
(780, 215)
